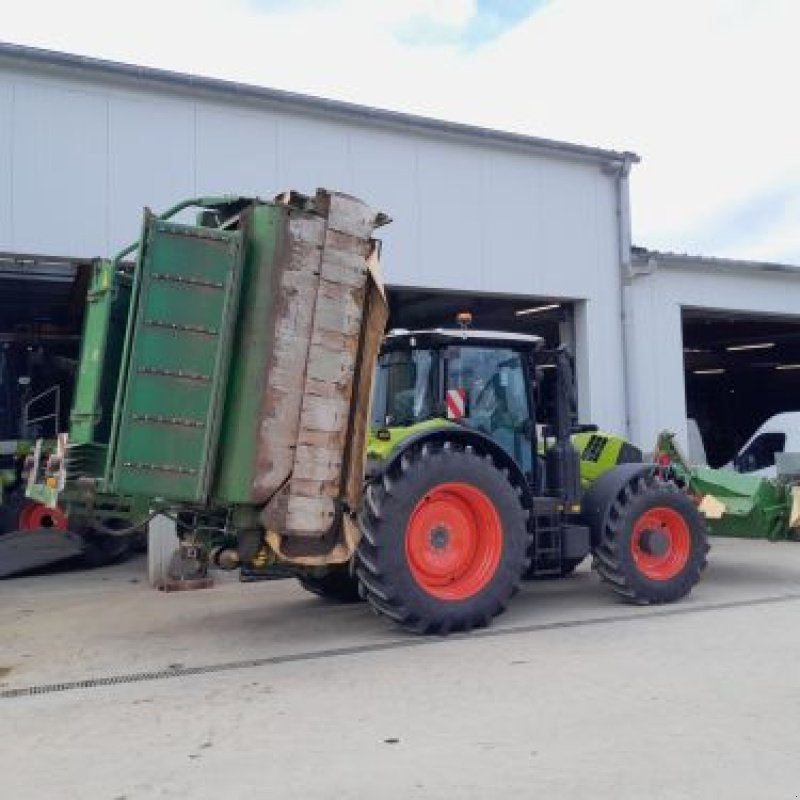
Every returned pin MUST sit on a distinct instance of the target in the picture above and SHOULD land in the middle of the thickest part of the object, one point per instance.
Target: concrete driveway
(111, 690)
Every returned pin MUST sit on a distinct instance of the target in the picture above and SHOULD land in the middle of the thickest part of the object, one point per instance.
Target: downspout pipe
(622, 188)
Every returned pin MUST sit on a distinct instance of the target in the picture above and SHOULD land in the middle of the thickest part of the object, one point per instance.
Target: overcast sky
(705, 91)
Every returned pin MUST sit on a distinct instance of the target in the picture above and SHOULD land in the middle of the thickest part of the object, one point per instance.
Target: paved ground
(255, 691)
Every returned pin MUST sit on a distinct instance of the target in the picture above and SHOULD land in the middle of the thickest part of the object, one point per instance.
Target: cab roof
(401, 337)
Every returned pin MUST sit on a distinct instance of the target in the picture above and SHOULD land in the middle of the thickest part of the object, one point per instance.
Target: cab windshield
(483, 388)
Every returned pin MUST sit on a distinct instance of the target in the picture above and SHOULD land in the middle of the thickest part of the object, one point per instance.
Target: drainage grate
(394, 644)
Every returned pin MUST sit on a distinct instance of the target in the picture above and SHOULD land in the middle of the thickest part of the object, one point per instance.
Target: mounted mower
(735, 504)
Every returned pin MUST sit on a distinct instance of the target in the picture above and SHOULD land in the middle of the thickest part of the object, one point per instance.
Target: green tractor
(467, 496)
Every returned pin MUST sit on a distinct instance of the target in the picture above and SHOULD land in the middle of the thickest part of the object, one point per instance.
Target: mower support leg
(162, 543)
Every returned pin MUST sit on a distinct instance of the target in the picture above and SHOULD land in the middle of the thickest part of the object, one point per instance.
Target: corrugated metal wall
(79, 158)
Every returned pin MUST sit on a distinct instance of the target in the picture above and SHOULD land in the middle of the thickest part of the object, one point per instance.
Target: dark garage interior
(41, 314)
(740, 370)
(41, 307)
(424, 308)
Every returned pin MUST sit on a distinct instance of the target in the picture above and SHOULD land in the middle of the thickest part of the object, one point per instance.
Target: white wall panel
(237, 153)
(312, 153)
(568, 218)
(599, 363)
(594, 259)
(151, 158)
(450, 216)
(383, 172)
(6, 171)
(513, 257)
(60, 193)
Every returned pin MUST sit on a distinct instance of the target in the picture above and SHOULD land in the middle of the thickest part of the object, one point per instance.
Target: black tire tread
(338, 585)
(613, 561)
(383, 591)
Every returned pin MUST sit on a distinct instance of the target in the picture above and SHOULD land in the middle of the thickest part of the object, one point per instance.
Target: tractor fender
(466, 437)
(601, 495)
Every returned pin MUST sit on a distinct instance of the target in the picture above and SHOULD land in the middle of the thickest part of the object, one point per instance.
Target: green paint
(175, 382)
(236, 466)
(105, 322)
(755, 508)
(391, 438)
(599, 452)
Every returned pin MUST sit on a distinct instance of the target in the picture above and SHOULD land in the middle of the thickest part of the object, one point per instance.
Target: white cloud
(452, 13)
(704, 92)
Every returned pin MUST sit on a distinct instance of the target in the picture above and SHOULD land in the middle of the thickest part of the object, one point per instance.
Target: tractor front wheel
(444, 541)
(653, 547)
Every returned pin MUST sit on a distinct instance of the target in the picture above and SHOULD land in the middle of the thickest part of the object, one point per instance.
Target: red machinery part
(36, 516)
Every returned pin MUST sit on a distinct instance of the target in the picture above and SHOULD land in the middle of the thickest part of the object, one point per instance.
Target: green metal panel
(188, 282)
(107, 304)
(250, 357)
(106, 316)
(381, 449)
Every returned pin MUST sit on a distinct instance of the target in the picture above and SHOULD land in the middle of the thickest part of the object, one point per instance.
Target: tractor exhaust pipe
(563, 461)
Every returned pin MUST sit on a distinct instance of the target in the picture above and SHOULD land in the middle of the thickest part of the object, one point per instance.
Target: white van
(779, 434)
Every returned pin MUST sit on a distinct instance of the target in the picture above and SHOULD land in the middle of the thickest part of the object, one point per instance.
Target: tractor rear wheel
(653, 547)
(337, 585)
(444, 540)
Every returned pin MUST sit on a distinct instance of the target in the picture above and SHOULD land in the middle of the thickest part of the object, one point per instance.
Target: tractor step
(547, 552)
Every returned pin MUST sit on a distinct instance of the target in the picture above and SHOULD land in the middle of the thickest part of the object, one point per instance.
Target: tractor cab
(480, 380)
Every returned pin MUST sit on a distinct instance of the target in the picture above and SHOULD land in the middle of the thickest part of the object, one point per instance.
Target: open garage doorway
(740, 370)
(550, 318)
(42, 302)
(41, 313)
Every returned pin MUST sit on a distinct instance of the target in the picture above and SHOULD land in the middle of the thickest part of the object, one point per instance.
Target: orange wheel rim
(661, 543)
(454, 541)
(35, 516)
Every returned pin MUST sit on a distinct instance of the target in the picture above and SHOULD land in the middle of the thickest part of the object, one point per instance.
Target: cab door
(487, 389)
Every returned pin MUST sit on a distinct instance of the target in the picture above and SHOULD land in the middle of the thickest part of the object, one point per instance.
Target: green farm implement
(735, 504)
(239, 381)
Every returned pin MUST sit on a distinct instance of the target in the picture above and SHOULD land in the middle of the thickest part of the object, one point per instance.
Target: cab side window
(497, 399)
